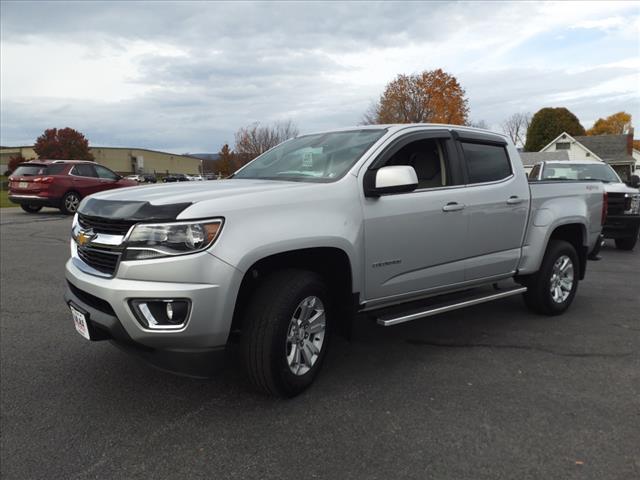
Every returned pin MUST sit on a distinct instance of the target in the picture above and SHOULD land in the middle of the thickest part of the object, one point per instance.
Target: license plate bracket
(80, 320)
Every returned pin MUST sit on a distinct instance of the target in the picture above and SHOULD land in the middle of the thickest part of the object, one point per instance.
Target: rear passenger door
(497, 205)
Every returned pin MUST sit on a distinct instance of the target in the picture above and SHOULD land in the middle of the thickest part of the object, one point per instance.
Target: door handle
(453, 207)
(514, 200)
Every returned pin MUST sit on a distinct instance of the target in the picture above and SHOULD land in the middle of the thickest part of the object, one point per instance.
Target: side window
(535, 171)
(56, 169)
(104, 172)
(486, 163)
(428, 158)
(84, 170)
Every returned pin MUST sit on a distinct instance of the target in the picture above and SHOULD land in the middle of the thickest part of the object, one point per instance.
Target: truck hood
(167, 201)
(619, 188)
(193, 192)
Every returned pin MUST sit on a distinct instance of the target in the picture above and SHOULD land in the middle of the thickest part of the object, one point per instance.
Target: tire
(31, 208)
(270, 324)
(539, 296)
(70, 202)
(627, 243)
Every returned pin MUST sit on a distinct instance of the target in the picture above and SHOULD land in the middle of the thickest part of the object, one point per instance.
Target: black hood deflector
(131, 210)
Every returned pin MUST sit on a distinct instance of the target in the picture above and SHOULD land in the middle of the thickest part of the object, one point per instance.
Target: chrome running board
(389, 320)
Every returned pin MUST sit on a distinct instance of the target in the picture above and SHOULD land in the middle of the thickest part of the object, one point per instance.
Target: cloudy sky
(183, 77)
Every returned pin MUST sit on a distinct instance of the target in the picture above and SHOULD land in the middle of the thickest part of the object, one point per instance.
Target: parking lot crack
(534, 348)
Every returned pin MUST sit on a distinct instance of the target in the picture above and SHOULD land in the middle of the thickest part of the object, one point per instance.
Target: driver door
(415, 242)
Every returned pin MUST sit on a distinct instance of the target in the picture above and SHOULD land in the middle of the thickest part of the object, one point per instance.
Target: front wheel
(552, 288)
(31, 208)
(70, 203)
(286, 332)
(627, 243)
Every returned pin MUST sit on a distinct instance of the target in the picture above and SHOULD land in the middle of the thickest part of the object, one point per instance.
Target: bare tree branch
(516, 127)
(256, 139)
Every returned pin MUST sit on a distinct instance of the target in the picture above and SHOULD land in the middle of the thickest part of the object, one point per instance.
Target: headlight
(155, 240)
(634, 206)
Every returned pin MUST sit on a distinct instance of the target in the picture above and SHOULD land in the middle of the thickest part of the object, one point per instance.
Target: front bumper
(621, 226)
(209, 283)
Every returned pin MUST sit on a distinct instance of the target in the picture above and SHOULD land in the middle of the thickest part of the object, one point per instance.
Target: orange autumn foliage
(432, 96)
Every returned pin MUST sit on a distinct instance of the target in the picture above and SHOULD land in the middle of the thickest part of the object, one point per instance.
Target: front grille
(91, 300)
(616, 204)
(104, 261)
(105, 225)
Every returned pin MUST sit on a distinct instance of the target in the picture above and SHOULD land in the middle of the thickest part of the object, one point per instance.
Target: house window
(563, 146)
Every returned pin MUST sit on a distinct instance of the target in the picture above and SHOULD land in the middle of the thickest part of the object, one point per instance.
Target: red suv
(60, 183)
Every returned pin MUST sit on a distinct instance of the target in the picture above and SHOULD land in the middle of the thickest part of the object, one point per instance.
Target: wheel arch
(576, 235)
(331, 263)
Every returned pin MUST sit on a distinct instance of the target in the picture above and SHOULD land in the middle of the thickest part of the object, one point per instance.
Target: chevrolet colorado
(398, 221)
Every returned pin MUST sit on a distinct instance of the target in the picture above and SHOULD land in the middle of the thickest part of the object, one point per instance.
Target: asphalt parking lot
(489, 392)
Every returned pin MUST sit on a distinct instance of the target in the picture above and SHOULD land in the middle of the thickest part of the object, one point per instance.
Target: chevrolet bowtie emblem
(84, 237)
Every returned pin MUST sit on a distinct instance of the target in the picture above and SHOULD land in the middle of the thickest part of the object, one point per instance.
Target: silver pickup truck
(398, 221)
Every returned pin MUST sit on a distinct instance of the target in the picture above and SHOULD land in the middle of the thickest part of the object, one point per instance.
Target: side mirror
(392, 179)
(634, 181)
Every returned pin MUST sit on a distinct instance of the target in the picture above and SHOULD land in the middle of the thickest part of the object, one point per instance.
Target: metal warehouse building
(122, 160)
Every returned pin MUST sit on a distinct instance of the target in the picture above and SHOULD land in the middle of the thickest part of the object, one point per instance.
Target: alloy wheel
(305, 335)
(561, 282)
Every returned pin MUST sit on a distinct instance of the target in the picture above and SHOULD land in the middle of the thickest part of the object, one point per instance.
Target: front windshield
(580, 171)
(312, 158)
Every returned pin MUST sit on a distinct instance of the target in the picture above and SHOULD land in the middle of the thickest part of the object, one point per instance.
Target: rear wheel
(31, 208)
(627, 243)
(286, 331)
(70, 203)
(552, 288)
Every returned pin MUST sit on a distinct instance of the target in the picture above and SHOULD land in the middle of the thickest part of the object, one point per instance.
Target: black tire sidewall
(31, 208)
(289, 383)
(557, 250)
(627, 243)
(63, 203)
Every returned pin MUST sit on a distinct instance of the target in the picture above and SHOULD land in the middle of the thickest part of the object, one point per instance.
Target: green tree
(547, 124)
(62, 144)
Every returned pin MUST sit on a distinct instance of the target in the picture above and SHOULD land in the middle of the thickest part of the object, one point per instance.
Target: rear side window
(486, 163)
(84, 170)
(56, 169)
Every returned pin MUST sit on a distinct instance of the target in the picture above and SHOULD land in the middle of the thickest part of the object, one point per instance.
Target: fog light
(161, 314)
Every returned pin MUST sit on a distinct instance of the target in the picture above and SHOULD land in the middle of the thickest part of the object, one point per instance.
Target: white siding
(576, 150)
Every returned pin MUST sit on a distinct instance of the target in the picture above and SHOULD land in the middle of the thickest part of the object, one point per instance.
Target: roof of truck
(394, 127)
(576, 162)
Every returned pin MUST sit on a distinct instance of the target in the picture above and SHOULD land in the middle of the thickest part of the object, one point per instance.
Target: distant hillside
(209, 161)
(204, 156)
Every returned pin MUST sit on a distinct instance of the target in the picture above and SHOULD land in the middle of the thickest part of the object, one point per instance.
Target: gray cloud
(230, 64)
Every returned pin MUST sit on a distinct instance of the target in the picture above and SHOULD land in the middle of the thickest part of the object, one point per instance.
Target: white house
(616, 150)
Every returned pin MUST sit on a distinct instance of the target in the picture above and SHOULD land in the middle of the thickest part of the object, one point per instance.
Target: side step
(389, 320)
